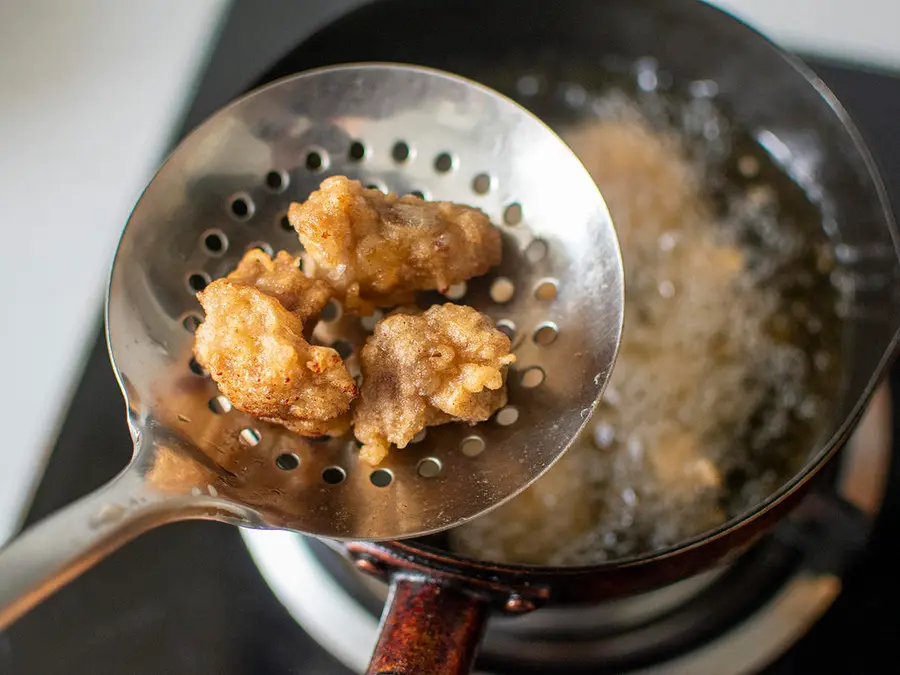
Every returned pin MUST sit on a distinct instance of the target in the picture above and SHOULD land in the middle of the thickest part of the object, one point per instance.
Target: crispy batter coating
(255, 351)
(378, 249)
(283, 279)
(444, 365)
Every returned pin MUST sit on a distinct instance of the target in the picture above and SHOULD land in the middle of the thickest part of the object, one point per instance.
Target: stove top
(188, 599)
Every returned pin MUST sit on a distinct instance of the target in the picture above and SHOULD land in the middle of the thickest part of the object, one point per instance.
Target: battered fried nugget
(376, 250)
(444, 365)
(283, 279)
(255, 351)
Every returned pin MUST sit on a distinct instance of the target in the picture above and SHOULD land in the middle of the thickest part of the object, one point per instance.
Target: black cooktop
(187, 599)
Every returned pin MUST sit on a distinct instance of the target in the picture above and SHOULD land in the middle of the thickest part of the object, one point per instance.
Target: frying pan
(438, 601)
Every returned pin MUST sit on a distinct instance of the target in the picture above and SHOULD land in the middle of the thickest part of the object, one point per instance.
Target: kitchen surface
(95, 96)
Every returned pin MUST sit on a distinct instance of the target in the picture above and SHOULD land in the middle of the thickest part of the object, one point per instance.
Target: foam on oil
(730, 346)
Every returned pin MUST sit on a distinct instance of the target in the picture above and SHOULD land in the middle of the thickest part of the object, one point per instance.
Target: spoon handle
(57, 549)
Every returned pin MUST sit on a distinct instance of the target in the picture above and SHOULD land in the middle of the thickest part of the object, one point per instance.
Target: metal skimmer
(558, 294)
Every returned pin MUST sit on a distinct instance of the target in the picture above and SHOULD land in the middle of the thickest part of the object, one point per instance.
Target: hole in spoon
(472, 446)
(369, 322)
(481, 184)
(250, 437)
(533, 377)
(343, 348)
(502, 290)
(536, 251)
(331, 311)
(220, 405)
(443, 162)
(241, 207)
(357, 151)
(316, 160)
(215, 243)
(334, 475)
(400, 152)
(191, 322)
(263, 246)
(546, 290)
(512, 214)
(507, 416)
(277, 181)
(196, 368)
(457, 291)
(381, 477)
(508, 328)
(197, 281)
(287, 461)
(430, 467)
(546, 333)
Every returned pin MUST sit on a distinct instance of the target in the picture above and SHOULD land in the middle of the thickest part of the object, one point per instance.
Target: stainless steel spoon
(226, 188)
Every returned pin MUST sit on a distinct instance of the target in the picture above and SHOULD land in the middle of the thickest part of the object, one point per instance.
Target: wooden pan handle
(428, 628)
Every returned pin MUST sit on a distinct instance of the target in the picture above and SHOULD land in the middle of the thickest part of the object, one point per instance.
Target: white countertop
(864, 31)
(92, 91)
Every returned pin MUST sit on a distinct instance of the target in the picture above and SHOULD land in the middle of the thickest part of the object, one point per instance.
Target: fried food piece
(376, 250)
(282, 279)
(255, 351)
(444, 365)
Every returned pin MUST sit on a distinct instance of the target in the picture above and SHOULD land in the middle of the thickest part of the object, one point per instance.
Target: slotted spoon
(227, 187)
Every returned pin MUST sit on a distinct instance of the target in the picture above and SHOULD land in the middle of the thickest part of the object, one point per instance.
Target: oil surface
(730, 354)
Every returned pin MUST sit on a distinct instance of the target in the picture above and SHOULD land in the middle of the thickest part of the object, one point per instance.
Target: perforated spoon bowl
(558, 293)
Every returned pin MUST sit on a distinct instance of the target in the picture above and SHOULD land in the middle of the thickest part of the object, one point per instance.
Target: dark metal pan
(439, 601)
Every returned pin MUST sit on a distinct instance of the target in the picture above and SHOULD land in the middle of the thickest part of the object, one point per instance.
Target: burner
(737, 618)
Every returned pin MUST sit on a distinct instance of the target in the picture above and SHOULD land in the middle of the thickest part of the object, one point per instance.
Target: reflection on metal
(865, 465)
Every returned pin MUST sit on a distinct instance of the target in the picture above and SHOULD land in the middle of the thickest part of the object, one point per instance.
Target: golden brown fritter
(255, 351)
(444, 365)
(283, 279)
(378, 249)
